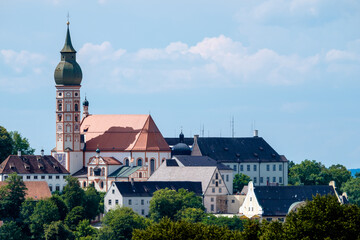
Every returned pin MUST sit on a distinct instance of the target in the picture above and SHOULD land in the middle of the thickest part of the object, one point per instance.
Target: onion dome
(97, 150)
(68, 71)
(181, 148)
(85, 103)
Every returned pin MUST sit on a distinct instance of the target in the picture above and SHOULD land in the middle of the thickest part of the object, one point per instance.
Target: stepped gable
(122, 133)
(247, 149)
(32, 164)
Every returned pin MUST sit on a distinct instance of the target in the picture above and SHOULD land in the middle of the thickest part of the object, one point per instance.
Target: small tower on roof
(85, 108)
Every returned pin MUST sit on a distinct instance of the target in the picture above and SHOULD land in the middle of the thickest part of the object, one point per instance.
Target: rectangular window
(213, 181)
(235, 169)
(268, 219)
(267, 167)
(219, 181)
(241, 168)
(280, 179)
(248, 167)
(274, 167)
(28, 177)
(35, 177)
(142, 201)
(261, 179)
(42, 177)
(280, 167)
(227, 178)
(281, 219)
(50, 187)
(255, 180)
(274, 179)
(267, 179)
(50, 177)
(212, 199)
(233, 201)
(116, 201)
(216, 176)
(57, 177)
(255, 168)
(142, 212)
(130, 202)
(213, 190)
(212, 207)
(220, 190)
(64, 177)
(113, 191)
(57, 188)
(109, 201)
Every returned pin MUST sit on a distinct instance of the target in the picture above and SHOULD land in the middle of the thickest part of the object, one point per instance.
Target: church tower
(68, 78)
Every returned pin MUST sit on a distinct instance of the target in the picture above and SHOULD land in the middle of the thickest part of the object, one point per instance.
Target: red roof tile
(122, 133)
(35, 189)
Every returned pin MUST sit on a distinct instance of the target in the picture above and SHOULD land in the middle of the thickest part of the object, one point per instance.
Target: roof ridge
(140, 133)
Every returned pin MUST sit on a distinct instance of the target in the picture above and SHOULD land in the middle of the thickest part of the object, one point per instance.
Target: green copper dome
(68, 71)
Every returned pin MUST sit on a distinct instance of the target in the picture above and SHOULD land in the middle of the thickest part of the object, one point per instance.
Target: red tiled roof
(32, 164)
(122, 133)
(107, 160)
(35, 189)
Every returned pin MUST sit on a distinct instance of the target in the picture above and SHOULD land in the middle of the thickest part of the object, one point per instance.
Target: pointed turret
(68, 71)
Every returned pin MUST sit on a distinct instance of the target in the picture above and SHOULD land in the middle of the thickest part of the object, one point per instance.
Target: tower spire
(68, 46)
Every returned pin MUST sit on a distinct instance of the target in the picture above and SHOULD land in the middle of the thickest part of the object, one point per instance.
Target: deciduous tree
(21, 144)
(57, 231)
(240, 180)
(6, 144)
(73, 194)
(352, 189)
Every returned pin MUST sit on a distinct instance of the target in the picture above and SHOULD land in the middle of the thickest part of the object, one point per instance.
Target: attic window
(86, 129)
(56, 167)
(237, 155)
(273, 155)
(255, 154)
(41, 166)
(12, 166)
(27, 167)
(226, 149)
(261, 148)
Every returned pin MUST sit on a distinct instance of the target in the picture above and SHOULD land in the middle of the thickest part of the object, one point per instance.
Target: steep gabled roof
(122, 133)
(276, 200)
(32, 164)
(146, 189)
(248, 149)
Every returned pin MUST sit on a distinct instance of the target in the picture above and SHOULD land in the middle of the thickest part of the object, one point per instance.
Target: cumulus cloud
(339, 55)
(20, 60)
(95, 53)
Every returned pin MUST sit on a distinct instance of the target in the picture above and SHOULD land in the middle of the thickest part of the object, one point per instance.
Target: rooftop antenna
(232, 127)
(203, 130)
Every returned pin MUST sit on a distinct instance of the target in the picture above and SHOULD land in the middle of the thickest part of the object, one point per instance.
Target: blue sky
(289, 67)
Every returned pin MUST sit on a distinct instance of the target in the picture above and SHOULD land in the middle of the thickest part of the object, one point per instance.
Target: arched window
(59, 107)
(91, 171)
(163, 160)
(68, 107)
(59, 117)
(84, 184)
(139, 162)
(126, 162)
(101, 184)
(103, 171)
(140, 175)
(76, 107)
(76, 118)
(152, 166)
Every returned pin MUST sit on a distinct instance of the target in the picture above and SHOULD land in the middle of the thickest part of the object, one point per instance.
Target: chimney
(256, 133)
(42, 152)
(19, 153)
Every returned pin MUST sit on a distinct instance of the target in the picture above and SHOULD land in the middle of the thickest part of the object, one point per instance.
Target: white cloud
(339, 55)
(94, 53)
(20, 60)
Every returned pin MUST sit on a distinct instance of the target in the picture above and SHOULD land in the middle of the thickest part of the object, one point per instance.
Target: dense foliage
(240, 180)
(167, 203)
(11, 142)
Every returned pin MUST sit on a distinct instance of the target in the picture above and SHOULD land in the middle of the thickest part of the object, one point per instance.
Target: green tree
(74, 217)
(308, 173)
(60, 204)
(10, 231)
(85, 231)
(57, 231)
(352, 189)
(91, 202)
(26, 210)
(323, 218)
(21, 144)
(45, 212)
(12, 195)
(240, 180)
(73, 194)
(190, 214)
(6, 144)
(273, 230)
(120, 222)
(167, 229)
(252, 230)
(167, 202)
(234, 223)
(339, 174)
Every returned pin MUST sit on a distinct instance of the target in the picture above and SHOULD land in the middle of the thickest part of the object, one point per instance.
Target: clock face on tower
(61, 158)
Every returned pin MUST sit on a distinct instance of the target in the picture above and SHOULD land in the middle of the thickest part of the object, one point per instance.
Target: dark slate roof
(32, 164)
(249, 149)
(276, 200)
(171, 163)
(146, 189)
(174, 141)
(82, 173)
(201, 161)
